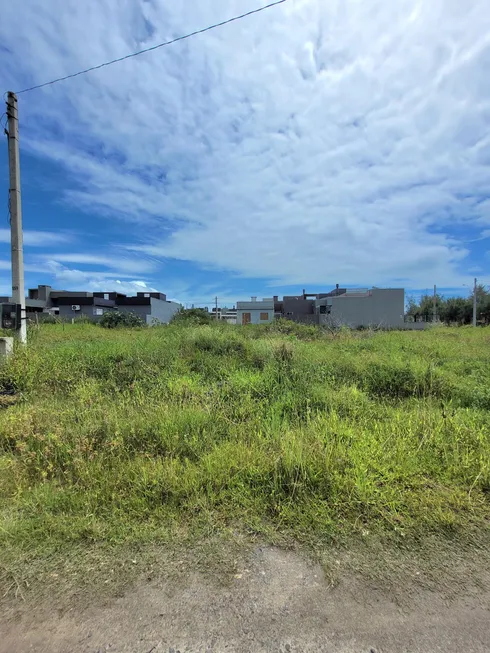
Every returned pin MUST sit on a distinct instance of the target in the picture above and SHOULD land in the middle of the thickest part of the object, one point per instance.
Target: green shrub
(192, 317)
(115, 319)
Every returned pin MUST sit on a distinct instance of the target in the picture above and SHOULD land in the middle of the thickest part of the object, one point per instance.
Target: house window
(147, 294)
(264, 316)
(98, 312)
(106, 295)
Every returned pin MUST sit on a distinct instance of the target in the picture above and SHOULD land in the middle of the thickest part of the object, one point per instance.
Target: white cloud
(7, 266)
(313, 142)
(92, 281)
(122, 264)
(38, 238)
(125, 287)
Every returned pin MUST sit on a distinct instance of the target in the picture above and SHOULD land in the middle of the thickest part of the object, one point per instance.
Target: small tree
(412, 307)
(427, 306)
(482, 293)
(115, 319)
(483, 312)
(482, 303)
(454, 310)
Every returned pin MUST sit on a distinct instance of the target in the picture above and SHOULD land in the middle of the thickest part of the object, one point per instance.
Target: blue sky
(312, 144)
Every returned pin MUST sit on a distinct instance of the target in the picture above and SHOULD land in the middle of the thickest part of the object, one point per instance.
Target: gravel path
(278, 602)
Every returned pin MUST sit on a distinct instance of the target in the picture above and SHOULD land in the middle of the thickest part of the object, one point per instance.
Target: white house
(255, 312)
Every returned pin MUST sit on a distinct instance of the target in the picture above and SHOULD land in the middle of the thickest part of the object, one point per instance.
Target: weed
(118, 435)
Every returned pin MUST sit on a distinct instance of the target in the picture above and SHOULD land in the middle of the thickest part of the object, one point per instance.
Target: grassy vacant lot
(135, 435)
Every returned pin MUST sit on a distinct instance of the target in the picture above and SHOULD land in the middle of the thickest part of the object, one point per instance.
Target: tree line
(452, 310)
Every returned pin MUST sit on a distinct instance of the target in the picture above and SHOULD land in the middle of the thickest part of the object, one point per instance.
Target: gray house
(153, 307)
(382, 307)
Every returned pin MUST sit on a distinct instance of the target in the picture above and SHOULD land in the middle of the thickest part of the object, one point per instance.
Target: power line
(154, 47)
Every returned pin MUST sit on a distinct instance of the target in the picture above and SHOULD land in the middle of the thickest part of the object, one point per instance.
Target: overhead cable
(153, 47)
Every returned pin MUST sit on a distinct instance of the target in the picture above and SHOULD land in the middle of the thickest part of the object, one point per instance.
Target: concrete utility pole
(474, 303)
(434, 317)
(216, 307)
(18, 291)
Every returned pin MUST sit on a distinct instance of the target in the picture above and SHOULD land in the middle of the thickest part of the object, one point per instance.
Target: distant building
(255, 312)
(152, 307)
(226, 314)
(381, 307)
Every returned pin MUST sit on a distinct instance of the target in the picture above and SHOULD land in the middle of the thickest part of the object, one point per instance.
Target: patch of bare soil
(274, 600)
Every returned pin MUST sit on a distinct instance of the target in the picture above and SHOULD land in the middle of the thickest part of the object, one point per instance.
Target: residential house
(255, 312)
(383, 307)
(152, 307)
(373, 307)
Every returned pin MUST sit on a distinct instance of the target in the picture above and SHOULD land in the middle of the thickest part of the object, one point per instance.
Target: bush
(192, 317)
(112, 320)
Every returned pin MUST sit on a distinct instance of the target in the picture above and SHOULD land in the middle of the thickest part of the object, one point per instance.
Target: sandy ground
(276, 601)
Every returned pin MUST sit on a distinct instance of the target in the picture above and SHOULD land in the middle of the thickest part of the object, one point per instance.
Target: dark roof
(84, 301)
(55, 294)
(155, 295)
(134, 301)
(112, 294)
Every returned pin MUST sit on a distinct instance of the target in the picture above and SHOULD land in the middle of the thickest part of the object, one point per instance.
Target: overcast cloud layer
(317, 141)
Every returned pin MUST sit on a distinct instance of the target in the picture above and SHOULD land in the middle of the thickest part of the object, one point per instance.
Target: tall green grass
(128, 434)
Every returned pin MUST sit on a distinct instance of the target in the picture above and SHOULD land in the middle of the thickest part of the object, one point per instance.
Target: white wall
(255, 309)
(255, 315)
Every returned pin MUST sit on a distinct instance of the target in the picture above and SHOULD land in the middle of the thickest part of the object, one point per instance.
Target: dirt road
(275, 602)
